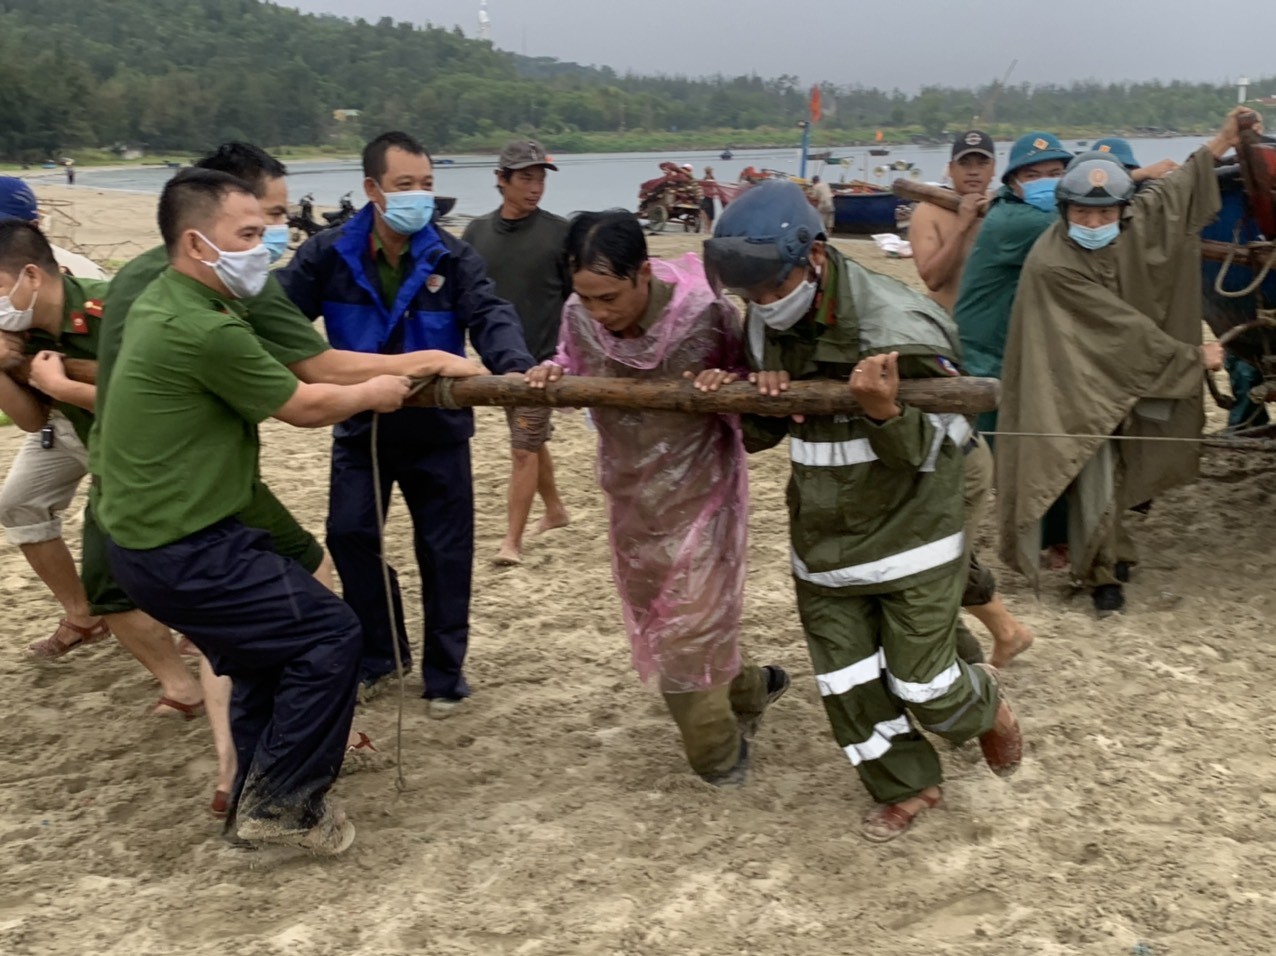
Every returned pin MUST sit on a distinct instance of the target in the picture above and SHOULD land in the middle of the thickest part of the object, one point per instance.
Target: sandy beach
(555, 815)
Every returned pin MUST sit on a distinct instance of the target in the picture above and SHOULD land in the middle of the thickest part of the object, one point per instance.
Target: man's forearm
(339, 367)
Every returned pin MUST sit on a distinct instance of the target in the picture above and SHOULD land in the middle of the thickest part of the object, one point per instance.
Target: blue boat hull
(865, 213)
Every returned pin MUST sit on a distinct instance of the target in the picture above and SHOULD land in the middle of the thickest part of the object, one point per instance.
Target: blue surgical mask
(275, 238)
(1040, 193)
(1093, 238)
(407, 213)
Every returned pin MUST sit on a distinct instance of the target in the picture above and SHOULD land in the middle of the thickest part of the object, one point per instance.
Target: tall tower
(485, 22)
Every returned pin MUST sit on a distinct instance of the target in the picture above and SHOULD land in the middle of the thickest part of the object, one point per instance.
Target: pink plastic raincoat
(676, 484)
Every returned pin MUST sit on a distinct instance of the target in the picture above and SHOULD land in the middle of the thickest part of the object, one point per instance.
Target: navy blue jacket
(445, 293)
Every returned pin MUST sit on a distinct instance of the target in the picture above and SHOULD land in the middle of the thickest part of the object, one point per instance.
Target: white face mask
(244, 274)
(780, 315)
(13, 319)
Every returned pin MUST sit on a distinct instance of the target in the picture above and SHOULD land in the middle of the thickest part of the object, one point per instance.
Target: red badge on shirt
(434, 283)
(78, 325)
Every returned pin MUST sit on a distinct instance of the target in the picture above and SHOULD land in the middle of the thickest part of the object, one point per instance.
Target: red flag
(815, 105)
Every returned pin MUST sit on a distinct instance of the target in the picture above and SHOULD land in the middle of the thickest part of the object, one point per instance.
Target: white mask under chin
(13, 319)
(780, 315)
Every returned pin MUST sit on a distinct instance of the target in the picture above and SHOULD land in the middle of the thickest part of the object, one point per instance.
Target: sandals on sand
(184, 711)
(886, 821)
(55, 645)
(220, 805)
(1003, 749)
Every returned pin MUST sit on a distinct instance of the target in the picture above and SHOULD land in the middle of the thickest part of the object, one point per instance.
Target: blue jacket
(446, 293)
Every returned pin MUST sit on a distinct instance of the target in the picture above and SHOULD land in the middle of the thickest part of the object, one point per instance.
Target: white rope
(1240, 444)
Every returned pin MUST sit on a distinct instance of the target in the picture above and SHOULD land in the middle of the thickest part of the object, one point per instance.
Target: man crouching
(179, 449)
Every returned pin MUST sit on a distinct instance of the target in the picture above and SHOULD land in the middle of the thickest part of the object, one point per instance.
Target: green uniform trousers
(879, 658)
(709, 720)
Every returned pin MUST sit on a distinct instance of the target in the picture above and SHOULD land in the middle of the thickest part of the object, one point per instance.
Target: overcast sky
(885, 44)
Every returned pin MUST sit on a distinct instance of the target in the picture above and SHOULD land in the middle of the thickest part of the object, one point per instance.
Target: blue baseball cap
(17, 201)
(1032, 148)
(761, 236)
(1119, 149)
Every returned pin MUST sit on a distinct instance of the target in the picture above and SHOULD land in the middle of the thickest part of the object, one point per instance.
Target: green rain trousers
(879, 659)
(709, 720)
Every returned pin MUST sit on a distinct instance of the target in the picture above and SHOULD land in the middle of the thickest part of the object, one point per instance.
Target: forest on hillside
(180, 75)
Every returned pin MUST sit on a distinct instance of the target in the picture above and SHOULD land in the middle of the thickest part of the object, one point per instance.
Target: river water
(604, 180)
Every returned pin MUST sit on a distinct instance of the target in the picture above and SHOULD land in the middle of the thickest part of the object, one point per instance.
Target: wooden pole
(962, 395)
(966, 396)
(77, 370)
(925, 192)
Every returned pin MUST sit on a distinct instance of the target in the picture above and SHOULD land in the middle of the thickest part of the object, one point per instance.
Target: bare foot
(1055, 558)
(507, 556)
(552, 520)
(1006, 649)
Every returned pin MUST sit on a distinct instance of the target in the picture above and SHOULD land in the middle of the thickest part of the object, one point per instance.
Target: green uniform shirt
(284, 332)
(78, 338)
(991, 278)
(391, 277)
(178, 439)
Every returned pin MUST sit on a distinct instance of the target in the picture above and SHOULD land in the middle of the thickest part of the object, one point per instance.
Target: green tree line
(179, 75)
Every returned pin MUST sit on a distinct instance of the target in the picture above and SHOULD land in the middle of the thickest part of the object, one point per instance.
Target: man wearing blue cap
(1020, 212)
(876, 514)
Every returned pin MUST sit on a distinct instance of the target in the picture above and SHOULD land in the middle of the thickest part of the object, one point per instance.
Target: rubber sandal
(220, 805)
(53, 646)
(888, 821)
(1003, 750)
(333, 833)
(185, 711)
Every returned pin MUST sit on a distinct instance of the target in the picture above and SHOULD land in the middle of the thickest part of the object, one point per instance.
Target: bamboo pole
(965, 396)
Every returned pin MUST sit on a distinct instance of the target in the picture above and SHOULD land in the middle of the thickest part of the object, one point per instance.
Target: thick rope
(1227, 265)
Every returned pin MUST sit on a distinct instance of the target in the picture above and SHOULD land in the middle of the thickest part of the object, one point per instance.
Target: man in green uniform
(522, 246)
(190, 384)
(293, 341)
(50, 311)
(1020, 212)
(1106, 340)
(875, 501)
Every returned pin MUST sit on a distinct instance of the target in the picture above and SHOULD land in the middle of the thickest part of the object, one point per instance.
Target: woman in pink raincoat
(676, 483)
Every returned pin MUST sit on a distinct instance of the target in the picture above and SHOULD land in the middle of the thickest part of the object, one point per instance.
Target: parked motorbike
(303, 225)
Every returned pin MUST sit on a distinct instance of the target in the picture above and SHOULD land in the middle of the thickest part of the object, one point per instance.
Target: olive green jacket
(873, 508)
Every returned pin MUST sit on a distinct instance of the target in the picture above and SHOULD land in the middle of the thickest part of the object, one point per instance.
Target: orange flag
(879, 136)
(815, 105)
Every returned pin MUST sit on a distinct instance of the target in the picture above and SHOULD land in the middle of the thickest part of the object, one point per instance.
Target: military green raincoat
(1105, 342)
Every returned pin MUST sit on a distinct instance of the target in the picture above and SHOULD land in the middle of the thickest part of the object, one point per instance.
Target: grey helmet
(1095, 179)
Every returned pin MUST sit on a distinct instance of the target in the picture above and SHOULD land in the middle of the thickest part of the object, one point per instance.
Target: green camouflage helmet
(1095, 179)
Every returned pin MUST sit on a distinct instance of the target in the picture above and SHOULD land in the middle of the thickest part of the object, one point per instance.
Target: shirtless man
(942, 239)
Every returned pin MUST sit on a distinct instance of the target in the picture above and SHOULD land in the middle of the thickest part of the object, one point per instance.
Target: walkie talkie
(46, 435)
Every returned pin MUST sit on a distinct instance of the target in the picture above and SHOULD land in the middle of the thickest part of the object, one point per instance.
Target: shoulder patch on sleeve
(946, 365)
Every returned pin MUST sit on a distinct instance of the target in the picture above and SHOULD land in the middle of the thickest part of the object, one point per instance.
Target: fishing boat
(726, 154)
(879, 151)
(864, 209)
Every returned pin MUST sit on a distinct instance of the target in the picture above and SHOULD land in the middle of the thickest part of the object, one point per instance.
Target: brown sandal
(220, 805)
(185, 711)
(886, 821)
(1003, 750)
(55, 646)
